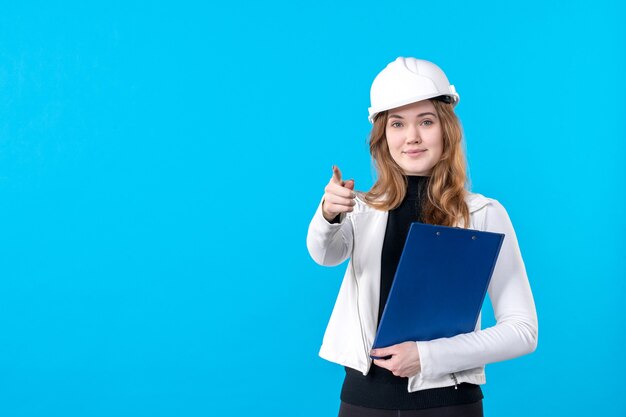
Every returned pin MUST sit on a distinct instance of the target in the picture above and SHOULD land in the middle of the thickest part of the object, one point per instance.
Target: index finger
(337, 175)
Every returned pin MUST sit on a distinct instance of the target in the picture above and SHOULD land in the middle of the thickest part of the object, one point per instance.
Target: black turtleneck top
(380, 388)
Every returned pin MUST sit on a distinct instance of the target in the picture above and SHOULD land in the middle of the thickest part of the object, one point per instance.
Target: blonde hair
(445, 204)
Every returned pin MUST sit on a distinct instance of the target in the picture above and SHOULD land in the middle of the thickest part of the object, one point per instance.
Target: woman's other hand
(338, 196)
(404, 361)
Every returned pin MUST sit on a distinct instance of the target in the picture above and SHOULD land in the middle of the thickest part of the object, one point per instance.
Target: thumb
(382, 352)
(349, 184)
(337, 175)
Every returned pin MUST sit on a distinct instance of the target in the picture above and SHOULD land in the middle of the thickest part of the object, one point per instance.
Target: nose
(413, 135)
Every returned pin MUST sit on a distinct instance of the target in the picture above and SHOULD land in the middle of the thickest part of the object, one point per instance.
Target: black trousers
(463, 410)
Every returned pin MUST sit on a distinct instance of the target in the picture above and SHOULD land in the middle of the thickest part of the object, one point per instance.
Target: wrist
(331, 217)
(328, 216)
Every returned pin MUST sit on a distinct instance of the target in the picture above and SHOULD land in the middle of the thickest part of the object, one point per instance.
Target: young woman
(416, 145)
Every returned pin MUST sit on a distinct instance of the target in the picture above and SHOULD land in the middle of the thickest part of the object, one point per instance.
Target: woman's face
(414, 137)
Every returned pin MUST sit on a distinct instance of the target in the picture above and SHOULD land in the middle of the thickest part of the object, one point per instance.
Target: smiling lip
(415, 152)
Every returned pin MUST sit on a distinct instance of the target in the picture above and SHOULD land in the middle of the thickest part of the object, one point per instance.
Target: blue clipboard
(440, 284)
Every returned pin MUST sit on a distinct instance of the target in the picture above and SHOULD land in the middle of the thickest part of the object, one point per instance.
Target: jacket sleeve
(516, 331)
(329, 243)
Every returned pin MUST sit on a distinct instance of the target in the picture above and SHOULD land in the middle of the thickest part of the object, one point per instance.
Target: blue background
(159, 165)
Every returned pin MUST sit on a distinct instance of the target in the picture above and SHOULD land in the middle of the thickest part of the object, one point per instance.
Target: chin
(416, 171)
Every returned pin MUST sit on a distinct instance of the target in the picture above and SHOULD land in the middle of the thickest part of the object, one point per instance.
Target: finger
(382, 363)
(342, 201)
(337, 208)
(337, 175)
(336, 189)
(382, 352)
(349, 184)
(339, 191)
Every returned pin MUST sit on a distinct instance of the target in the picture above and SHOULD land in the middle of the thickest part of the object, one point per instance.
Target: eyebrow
(397, 116)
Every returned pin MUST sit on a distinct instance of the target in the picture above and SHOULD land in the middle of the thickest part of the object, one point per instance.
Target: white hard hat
(406, 81)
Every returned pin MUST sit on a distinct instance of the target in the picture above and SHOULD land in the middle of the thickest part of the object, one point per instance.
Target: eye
(427, 122)
(396, 124)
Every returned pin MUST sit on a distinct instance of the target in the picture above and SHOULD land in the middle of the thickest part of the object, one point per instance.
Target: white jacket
(446, 361)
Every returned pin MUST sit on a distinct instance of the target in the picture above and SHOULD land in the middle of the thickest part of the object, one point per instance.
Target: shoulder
(476, 202)
(492, 213)
(361, 206)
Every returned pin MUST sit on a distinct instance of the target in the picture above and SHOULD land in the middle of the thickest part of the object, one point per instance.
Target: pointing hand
(338, 196)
